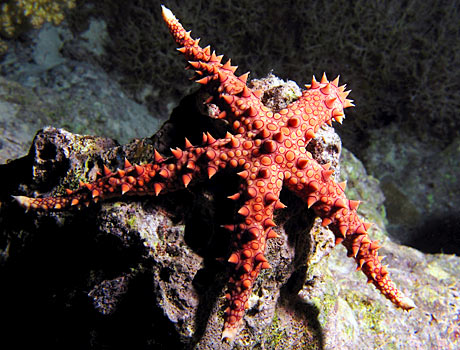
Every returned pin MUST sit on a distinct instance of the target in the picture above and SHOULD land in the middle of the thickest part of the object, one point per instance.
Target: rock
(186, 282)
(151, 272)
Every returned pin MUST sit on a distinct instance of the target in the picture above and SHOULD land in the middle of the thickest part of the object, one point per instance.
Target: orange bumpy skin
(267, 150)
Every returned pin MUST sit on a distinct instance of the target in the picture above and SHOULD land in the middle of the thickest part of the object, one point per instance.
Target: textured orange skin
(267, 150)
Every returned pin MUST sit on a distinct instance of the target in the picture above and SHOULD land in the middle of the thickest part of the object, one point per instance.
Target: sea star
(267, 148)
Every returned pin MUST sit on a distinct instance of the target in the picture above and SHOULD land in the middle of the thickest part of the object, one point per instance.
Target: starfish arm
(261, 189)
(315, 186)
(192, 164)
(322, 102)
(142, 179)
(241, 106)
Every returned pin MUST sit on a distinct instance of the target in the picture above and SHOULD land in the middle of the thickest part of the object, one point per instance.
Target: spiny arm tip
(407, 303)
(23, 201)
(167, 14)
(229, 334)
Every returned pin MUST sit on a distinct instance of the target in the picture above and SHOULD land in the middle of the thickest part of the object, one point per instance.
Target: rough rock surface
(151, 272)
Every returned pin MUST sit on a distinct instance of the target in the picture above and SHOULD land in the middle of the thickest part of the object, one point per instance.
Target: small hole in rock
(48, 151)
(165, 274)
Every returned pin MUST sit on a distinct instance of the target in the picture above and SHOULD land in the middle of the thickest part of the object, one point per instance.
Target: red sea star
(267, 148)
